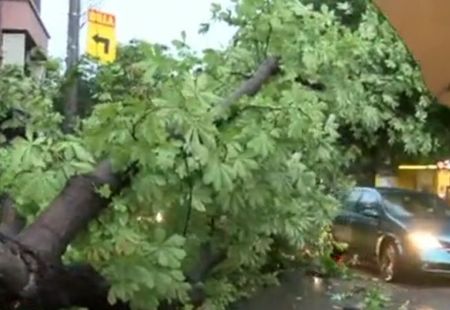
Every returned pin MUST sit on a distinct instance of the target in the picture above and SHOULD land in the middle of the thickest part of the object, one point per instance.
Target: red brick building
(22, 31)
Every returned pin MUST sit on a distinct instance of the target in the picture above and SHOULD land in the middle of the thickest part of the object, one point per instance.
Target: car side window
(369, 200)
(351, 199)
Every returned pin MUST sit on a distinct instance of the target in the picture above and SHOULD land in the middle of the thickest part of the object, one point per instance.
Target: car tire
(388, 262)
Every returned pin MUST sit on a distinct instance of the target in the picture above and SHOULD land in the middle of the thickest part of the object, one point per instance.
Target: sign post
(101, 36)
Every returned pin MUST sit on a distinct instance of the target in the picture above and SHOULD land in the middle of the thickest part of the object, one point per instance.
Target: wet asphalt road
(299, 291)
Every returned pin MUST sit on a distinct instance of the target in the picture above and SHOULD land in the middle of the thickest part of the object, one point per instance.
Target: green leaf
(201, 197)
(244, 167)
(175, 241)
(159, 234)
(262, 144)
(82, 167)
(220, 175)
(82, 154)
(104, 191)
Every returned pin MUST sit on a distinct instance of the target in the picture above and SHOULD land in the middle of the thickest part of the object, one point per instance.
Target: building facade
(24, 36)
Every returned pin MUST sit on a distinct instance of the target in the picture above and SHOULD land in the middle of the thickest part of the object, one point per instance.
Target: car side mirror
(370, 212)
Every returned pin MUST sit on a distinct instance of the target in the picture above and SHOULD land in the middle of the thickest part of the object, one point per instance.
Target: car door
(342, 230)
(366, 222)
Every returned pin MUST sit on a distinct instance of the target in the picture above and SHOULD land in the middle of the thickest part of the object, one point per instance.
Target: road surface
(300, 291)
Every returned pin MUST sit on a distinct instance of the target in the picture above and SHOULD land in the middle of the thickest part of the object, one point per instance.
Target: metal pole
(73, 50)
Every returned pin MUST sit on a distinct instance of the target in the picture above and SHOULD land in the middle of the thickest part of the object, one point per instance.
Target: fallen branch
(210, 258)
(30, 267)
(77, 204)
(30, 263)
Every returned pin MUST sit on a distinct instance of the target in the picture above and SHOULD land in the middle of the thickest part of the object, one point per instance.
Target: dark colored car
(401, 230)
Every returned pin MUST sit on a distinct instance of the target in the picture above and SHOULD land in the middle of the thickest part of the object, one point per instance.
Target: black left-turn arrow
(105, 41)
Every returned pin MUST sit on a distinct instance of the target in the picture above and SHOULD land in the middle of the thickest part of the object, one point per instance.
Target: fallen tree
(30, 261)
(231, 180)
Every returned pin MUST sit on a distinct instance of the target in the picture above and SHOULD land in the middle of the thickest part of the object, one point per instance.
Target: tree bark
(11, 221)
(70, 212)
(250, 87)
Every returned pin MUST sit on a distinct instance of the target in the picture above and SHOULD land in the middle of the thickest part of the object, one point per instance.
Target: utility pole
(1, 32)
(73, 52)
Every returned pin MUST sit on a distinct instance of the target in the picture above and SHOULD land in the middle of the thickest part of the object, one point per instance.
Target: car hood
(438, 226)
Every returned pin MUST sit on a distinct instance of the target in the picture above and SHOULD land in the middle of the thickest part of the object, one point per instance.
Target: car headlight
(424, 241)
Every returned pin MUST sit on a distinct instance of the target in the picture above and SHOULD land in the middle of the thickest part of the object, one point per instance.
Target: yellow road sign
(101, 36)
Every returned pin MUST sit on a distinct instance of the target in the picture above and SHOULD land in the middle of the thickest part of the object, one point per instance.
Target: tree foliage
(233, 177)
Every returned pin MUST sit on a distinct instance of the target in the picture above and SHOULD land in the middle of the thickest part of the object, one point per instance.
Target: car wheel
(388, 262)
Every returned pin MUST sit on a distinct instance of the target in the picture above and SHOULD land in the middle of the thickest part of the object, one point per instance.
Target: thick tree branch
(11, 221)
(77, 204)
(250, 87)
(29, 267)
(14, 275)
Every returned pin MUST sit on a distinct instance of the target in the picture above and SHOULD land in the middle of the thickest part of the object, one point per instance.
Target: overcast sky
(158, 21)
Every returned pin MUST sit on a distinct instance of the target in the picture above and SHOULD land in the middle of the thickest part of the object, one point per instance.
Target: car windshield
(405, 204)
